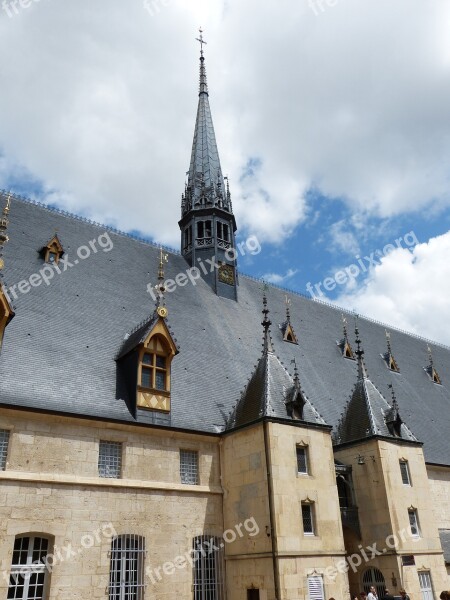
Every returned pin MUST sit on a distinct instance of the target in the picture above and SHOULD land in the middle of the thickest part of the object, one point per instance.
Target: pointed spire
(205, 183)
(266, 323)
(203, 88)
(4, 222)
(286, 327)
(388, 356)
(344, 344)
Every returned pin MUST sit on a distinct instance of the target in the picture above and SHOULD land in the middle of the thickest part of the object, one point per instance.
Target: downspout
(272, 522)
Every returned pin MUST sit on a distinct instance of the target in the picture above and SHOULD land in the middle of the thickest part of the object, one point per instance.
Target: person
(445, 595)
(362, 595)
(404, 595)
(388, 595)
(372, 595)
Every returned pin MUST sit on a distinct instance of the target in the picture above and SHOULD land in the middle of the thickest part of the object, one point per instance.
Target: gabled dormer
(430, 369)
(286, 327)
(388, 357)
(344, 344)
(6, 309)
(6, 313)
(52, 251)
(144, 365)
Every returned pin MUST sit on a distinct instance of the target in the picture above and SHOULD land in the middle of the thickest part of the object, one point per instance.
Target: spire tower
(207, 222)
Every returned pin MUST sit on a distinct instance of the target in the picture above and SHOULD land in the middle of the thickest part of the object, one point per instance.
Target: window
(110, 459)
(315, 587)
(188, 236)
(126, 579)
(426, 587)
(302, 460)
(189, 467)
(53, 251)
(29, 574)
(4, 441)
(404, 470)
(200, 229)
(308, 518)
(208, 568)
(154, 366)
(413, 522)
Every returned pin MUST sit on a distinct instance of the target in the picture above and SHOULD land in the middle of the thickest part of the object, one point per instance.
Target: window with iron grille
(308, 518)
(110, 459)
(302, 460)
(29, 573)
(4, 441)
(404, 469)
(208, 568)
(189, 467)
(413, 522)
(426, 585)
(315, 587)
(126, 578)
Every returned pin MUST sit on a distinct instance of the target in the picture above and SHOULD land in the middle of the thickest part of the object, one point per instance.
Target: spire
(4, 222)
(266, 323)
(431, 369)
(388, 356)
(286, 327)
(205, 185)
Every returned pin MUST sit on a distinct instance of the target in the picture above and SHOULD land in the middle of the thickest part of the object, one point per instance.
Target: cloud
(277, 278)
(409, 290)
(98, 105)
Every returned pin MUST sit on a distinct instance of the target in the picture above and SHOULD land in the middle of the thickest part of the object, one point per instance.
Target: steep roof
(59, 351)
(368, 413)
(270, 391)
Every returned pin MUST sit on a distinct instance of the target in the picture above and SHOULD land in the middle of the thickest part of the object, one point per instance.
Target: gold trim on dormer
(53, 250)
(6, 312)
(289, 335)
(155, 358)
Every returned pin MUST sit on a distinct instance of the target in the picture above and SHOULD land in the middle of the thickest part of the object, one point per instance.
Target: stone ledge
(49, 478)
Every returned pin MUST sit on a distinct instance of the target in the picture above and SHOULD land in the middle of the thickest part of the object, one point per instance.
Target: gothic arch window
(374, 577)
(29, 577)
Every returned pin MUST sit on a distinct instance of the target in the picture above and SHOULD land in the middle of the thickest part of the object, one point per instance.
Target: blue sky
(336, 139)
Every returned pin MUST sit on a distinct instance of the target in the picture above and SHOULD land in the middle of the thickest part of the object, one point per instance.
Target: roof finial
(160, 286)
(4, 222)
(296, 377)
(288, 311)
(388, 340)
(266, 323)
(359, 352)
(430, 356)
(203, 82)
(344, 325)
(394, 399)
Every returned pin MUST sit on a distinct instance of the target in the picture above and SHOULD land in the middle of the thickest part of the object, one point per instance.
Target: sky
(332, 119)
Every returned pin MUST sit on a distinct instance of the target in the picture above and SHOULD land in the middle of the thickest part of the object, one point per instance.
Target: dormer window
(154, 366)
(52, 251)
(154, 373)
(346, 349)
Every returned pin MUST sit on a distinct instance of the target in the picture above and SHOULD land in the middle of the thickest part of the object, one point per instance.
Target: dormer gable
(6, 313)
(53, 251)
(145, 363)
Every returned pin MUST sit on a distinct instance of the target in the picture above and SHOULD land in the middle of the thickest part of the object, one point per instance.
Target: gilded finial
(287, 301)
(161, 309)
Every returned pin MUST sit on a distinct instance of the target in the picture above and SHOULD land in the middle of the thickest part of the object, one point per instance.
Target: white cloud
(409, 290)
(98, 102)
(278, 278)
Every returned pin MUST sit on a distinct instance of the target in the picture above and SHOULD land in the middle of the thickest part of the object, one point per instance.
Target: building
(161, 442)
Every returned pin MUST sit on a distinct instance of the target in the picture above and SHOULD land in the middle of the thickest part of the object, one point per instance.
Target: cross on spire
(201, 40)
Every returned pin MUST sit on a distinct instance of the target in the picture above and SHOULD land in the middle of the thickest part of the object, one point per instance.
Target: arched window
(374, 577)
(126, 579)
(29, 576)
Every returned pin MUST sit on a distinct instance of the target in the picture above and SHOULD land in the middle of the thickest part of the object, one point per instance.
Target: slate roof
(59, 350)
(266, 394)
